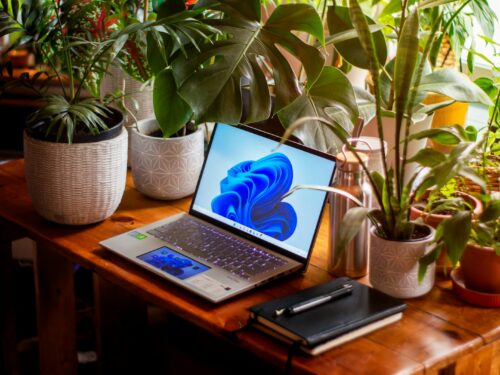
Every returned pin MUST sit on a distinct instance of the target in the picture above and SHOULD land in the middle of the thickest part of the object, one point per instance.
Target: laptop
(239, 232)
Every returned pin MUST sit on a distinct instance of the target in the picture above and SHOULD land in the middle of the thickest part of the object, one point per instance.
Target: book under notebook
(331, 323)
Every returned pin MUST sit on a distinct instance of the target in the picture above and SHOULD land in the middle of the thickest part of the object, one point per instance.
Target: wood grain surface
(438, 333)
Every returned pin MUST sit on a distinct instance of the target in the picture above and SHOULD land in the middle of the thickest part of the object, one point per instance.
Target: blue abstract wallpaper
(251, 194)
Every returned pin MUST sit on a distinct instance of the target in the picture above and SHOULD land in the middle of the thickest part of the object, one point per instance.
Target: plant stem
(53, 66)
(366, 38)
(490, 125)
(66, 52)
(404, 5)
(146, 10)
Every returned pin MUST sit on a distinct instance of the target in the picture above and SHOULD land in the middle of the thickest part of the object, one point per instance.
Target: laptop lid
(245, 174)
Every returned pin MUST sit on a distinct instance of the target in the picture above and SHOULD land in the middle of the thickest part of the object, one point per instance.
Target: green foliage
(81, 40)
(237, 60)
(339, 22)
(320, 100)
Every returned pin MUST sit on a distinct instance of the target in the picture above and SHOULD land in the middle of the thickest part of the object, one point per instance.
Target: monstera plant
(248, 56)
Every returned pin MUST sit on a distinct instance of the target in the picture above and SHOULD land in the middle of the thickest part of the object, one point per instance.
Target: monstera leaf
(332, 91)
(339, 22)
(211, 80)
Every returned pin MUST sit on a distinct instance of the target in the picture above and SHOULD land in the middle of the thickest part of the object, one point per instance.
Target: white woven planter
(394, 266)
(165, 168)
(79, 183)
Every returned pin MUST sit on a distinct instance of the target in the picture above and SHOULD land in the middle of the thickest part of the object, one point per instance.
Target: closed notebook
(330, 324)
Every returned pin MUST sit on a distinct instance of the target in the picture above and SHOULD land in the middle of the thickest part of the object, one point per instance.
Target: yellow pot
(454, 114)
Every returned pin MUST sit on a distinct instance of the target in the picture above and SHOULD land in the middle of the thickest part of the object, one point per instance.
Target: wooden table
(438, 333)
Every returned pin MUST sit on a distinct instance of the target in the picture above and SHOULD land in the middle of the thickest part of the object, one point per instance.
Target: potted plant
(167, 151)
(129, 77)
(443, 81)
(75, 146)
(475, 242)
(397, 242)
(437, 205)
(480, 261)
(228, 78)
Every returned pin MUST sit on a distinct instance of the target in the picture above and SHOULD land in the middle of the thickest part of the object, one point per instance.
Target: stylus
(316, 301)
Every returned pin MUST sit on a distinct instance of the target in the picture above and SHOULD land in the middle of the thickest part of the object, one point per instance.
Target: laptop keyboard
(226, 251)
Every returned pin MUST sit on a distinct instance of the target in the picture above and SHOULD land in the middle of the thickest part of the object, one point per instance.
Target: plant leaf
(349, 228)
(171, 111)
(213, 90)
(428, 157)
(331, 90)
(456, 232)
(455, 85)
(339, 22)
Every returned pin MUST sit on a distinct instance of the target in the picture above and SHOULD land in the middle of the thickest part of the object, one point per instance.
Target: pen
(316, 301)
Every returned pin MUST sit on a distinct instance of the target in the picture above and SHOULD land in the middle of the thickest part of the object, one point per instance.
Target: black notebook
(330, 324)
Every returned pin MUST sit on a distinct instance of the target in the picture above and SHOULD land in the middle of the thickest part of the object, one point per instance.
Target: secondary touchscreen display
(173, 263)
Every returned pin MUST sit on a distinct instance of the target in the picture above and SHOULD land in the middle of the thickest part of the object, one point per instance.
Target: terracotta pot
(481, 269)
(434, 219)
(394, 266)
(442, 263)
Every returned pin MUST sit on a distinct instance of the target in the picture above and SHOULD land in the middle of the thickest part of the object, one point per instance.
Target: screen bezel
(248, 236)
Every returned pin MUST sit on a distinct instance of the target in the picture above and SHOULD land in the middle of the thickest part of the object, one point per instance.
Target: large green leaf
(485, 15)
(211, 81)
(456, 232)
(349, 227)
(339, 22)
(404, 67)
(171, 111)
(428, 157)
(451, 83)
(331, 90)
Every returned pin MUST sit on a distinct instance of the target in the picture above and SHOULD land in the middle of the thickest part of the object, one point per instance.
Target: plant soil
(420, 232)
(114, 122)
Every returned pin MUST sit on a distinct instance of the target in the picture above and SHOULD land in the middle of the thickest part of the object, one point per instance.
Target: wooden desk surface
(437, 331)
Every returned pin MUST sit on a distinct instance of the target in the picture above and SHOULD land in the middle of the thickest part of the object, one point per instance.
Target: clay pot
(481, 269)
(442, 263)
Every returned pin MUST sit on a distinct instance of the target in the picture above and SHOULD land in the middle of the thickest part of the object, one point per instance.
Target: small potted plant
(75, 145)
(475, 242)
(480, 261)
(167, 151)
(437, 205)
(397, 242)
(209, 80)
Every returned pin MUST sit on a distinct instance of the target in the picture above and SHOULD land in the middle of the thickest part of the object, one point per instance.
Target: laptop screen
(244, 177)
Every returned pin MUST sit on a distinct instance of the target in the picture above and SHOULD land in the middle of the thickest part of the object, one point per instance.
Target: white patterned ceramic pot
(165, 168)
(394, 266)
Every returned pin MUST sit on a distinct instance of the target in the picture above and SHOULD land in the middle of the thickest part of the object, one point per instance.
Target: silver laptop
(239, 232)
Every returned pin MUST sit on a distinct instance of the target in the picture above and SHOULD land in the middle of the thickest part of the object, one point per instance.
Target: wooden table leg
(121, 321)
(9, 359)
(56, 313)
(9, 363)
